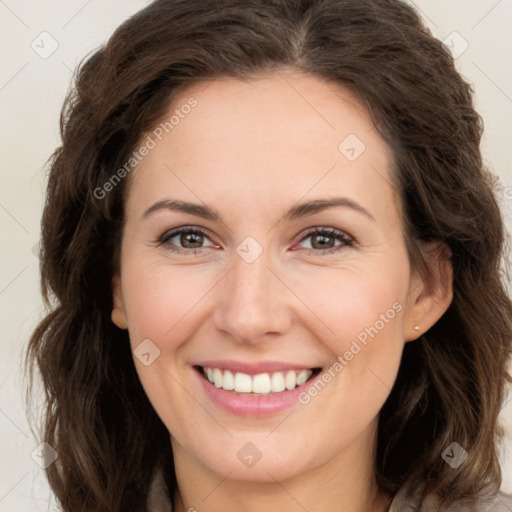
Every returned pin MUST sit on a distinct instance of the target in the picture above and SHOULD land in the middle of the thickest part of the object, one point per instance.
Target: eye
(190, 240)
(326, 241)
(184, 239)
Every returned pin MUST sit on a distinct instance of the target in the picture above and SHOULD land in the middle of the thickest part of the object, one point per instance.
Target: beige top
(157, 502)
(489, 502)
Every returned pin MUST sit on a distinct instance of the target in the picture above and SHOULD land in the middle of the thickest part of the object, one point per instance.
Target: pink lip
(253, 368)
(253, 406)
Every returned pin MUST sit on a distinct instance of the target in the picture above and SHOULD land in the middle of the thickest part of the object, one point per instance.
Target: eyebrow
(295, 212)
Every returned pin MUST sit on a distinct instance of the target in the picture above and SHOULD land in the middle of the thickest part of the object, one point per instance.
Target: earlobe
(431, 293)
(118, 314)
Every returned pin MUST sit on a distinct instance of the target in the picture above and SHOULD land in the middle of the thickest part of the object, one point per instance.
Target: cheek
(366, 352)
(163, 301)
(354, 305)
(163, 305)
(365, 309)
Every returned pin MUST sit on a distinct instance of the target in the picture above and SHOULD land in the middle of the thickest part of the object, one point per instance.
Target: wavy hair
(450, 386)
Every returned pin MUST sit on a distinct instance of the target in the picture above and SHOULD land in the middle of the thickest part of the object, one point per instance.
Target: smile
(257, 393)
(259, 384)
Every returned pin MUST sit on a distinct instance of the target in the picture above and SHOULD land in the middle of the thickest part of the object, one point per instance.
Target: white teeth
(243, 383)
(262, 383)
(217, 378)
(290, 381)
(277, 383)
(229, 381)
(302, 377)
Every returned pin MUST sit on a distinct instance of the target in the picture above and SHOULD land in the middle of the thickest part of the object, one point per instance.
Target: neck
(344, 483)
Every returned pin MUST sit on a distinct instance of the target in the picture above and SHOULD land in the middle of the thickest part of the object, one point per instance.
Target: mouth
(261, 384)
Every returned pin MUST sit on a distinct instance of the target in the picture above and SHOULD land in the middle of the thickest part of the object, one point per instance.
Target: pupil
(324, 240)
(189, 237)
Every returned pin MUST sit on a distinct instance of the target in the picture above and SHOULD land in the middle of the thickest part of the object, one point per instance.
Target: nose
(252, 302)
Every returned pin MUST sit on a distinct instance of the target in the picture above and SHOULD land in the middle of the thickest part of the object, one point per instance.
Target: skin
(250, 150)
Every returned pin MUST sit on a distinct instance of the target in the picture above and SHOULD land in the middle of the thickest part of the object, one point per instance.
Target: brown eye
(327, 240)
(184, 239)
(191, 240)
(322, 241)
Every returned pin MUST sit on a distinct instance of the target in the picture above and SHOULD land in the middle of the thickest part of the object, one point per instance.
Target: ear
(430, 291)
(118, 312)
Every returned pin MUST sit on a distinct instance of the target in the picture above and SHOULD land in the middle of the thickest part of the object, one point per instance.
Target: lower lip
(252, 405)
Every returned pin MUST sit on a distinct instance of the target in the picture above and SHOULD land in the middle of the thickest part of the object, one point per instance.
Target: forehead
(283, 134)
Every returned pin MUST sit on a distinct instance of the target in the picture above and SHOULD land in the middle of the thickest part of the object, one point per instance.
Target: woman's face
(290, 257)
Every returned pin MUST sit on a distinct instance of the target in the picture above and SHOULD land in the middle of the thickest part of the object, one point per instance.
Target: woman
(337, 333)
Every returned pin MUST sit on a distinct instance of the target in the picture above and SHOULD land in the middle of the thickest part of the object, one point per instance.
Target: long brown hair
(451, 381)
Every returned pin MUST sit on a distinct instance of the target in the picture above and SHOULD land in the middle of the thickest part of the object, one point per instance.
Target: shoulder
(158, 499)
(502, 503)
(487, 502)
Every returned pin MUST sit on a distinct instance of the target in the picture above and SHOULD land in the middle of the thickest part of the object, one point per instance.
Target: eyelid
(325, 229)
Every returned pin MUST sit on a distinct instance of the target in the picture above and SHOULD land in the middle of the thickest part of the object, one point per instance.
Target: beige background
(32, 88)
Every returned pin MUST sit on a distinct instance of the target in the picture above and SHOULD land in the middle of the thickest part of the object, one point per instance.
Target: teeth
(303, 377)
(217, 378)
(229, 381)
(277, 383)
(290, 381)
(260, 384)
(243, 383)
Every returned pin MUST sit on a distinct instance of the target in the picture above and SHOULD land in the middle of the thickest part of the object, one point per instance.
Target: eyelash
(346, 240)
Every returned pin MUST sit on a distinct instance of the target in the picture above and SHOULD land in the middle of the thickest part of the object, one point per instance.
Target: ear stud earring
(416, 327)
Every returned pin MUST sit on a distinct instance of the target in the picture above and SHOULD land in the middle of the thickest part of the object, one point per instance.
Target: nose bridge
(251, 302)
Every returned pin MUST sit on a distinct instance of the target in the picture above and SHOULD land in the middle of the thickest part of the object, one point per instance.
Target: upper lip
(254, 368)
